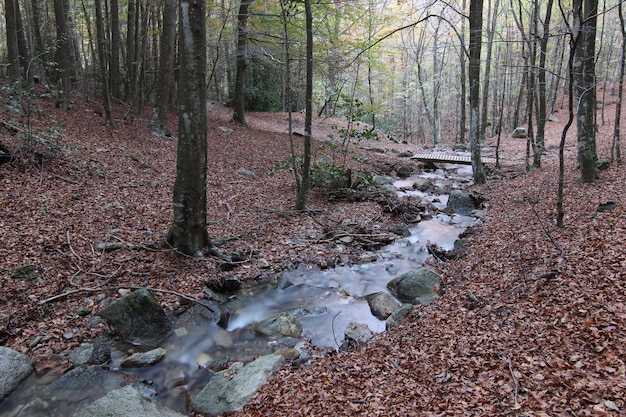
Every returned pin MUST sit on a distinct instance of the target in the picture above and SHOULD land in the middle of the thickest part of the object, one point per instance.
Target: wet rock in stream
(419, 286)
(232, 389)
(138, 318)
(14, 368)
(382, 304)
(283, 325)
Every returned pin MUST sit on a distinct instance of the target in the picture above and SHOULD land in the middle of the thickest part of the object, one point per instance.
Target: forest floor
(533, 322)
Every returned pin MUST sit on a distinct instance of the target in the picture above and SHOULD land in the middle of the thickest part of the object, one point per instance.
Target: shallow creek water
(328, 300)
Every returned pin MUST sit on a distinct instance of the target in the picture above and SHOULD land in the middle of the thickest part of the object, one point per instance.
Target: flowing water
(325, 300)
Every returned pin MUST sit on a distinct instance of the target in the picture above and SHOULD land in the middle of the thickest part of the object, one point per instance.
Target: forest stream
(327, 299)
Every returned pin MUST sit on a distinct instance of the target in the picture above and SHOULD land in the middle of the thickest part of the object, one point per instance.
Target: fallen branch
(516, 404)
(130, 287)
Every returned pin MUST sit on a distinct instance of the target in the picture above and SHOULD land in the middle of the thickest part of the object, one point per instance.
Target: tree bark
(239, 105)
(102, 60)
(475, 41)
(62, 55)
(159, 121)
(585, 20)
(114, 66)
(542, 110)
(301, 197)
(188, 232)
(615, 148)
(10, 14)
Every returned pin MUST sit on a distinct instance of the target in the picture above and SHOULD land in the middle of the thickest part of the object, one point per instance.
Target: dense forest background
(400, 66)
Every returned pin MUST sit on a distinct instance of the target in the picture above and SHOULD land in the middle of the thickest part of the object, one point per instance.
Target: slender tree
(159, 122)
(584, 27)
(102, 61)
(239, 107)
(188, 233)
(615, 148)
(301, 197)
(62, 55)
(475, 42)
(10, 14)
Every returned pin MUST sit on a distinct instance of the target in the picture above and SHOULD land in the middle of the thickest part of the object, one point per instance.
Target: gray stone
(27, 272)
(422, 184)
(83, 382)
(138, 318)
(283, 325)
(419, 286)
(232, 389)
(143, 359)
(405, 154)
(394, 320)
(382, 304)
(380, 180)
(461, 202)
(520, 132)
(404, 171)
(245, 172)
(108, 247)
(91, 354)
(128, 401)
(356, 334)
(603, 164)
(14, 368)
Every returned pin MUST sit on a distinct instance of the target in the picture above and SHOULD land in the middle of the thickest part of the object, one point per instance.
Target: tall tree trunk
(102, 61)
(463, 99)
(615, 148)
(542, 110)
(159, 121)
(131, 54)
(475, 42)
(492, 16)
(114, 65)
(303, 192)
(585, 19)
(188, 232)
(10, 14)
(40, 50)
(62, 57)
(239, 105)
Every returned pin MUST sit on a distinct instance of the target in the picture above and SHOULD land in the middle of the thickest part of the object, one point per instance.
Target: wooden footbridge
(449, 159)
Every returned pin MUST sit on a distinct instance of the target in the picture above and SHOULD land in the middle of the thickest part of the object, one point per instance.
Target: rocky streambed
(213, 356)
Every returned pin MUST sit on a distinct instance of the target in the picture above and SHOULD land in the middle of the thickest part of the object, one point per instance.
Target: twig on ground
(516, 404)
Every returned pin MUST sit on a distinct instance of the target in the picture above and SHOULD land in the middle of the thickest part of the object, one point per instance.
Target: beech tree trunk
(615, 148)
(308, 115)
(188, 233)
(585, 20)
(159, 122)
(62, 55)
(114, 66)
(102, 61)
(475, 41)
(239, 105)
(10, 14)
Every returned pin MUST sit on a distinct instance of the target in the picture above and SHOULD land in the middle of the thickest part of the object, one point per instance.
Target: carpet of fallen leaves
(532, 324)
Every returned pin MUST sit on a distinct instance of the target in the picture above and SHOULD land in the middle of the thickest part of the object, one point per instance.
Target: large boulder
(419, 286)
(232, 389)
(283, 325)
(128, 401)
(81, 383)
(382, 304)
(520, 133)
(14, 368)
(138, 318)
(461, 202)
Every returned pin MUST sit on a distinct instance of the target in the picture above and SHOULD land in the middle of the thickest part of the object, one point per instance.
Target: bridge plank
(449, 159)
